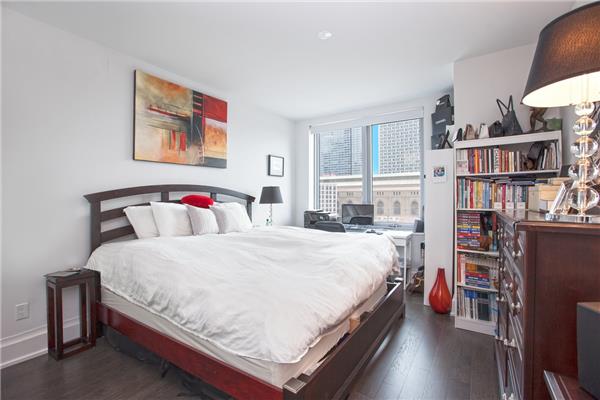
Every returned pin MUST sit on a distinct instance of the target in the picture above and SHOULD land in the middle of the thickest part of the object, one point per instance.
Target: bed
(269, 325)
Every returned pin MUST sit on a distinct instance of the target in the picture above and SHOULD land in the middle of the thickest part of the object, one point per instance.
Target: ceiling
(269, 53)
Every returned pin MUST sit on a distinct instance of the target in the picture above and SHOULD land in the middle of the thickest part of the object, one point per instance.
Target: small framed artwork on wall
(275, 165)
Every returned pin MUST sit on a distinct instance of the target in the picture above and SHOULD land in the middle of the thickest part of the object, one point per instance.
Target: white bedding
(268, 294)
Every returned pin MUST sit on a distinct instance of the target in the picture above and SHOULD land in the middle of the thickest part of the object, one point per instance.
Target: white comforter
(267, 294)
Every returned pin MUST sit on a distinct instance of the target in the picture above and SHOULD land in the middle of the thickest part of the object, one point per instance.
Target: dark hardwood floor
(425, 357)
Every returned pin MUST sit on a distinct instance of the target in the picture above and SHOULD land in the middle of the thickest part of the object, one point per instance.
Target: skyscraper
(340, 152)
(399, 146)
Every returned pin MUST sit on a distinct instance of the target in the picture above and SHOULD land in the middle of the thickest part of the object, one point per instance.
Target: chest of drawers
(546, 268)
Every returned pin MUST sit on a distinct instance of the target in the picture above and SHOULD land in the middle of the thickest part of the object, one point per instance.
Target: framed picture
(439, 174)
(175, 124)
(275, 165)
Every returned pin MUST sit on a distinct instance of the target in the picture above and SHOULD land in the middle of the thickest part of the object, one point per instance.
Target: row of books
(495, 160)
(477, 271)
(489, 193)
(477, 305)
(476, 231)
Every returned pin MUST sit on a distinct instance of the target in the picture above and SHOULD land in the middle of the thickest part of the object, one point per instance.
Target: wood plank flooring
(425, 357)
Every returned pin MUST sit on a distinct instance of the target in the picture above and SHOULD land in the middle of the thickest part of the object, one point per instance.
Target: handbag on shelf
(470, 133)
(495, 130)
(510, 124)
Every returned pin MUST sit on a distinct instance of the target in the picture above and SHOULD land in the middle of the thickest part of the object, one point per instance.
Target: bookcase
(491, 175)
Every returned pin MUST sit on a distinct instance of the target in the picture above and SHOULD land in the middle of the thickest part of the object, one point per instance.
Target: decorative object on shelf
(440, 120)
(470, 132)
(457, 136)
(537, 115)
(484, 132)
(495, 130)
(275, 165)
(270, 195)
(444, 141)
(440, 298)
(554, 124)
(566, 71)
(174, 124)
(510, 123)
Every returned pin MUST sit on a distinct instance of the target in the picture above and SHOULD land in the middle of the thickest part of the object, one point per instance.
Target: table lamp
(270, 195)
(566, 71)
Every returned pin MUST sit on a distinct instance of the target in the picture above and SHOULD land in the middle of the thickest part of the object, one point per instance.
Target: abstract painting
(174, 124)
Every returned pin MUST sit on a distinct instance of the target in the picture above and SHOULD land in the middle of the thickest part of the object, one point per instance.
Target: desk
(401, 239)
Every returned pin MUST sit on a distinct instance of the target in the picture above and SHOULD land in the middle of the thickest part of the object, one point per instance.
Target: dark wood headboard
(98, 215)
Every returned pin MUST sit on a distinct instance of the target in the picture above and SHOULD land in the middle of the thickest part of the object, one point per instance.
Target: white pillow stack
(231, 217)
(172, 219)
(203, 220)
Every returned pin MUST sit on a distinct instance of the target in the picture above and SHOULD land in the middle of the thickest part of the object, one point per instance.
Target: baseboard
(32, 343)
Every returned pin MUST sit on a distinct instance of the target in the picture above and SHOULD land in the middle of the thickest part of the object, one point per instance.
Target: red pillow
(197, 200)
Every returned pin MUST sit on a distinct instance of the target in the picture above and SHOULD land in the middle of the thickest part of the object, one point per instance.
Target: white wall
(67, 131)
(479, 81)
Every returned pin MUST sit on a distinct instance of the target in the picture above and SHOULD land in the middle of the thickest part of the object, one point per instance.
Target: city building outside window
(380, 210)
(395, 160)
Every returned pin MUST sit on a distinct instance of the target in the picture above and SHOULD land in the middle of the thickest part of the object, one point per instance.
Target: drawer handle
(500, 299)
(511, 345)
(515, 307)
(516, 254)
(508, 286)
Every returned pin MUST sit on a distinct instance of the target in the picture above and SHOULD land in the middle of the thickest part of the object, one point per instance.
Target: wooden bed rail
(333, 379)
(98, 215)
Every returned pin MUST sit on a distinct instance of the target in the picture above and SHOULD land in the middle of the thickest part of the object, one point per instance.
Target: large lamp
(270, 195)
(566, 71)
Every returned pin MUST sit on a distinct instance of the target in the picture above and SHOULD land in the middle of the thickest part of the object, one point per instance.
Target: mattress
(272, 372)
(267, 294)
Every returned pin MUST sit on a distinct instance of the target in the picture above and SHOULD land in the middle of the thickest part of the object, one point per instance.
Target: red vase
(440, 298)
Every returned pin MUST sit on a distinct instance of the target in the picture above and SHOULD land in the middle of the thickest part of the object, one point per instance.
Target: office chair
(330, 226)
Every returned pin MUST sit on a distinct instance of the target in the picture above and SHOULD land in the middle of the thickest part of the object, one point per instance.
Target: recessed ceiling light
(324, 35)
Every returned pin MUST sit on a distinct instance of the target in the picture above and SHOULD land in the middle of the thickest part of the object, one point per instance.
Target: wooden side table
(87, 281)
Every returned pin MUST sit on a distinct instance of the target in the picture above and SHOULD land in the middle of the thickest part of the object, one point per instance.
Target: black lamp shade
(270, 195)
(566, 65)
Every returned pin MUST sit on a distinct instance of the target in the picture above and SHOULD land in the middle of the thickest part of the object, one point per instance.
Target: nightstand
(87, 281)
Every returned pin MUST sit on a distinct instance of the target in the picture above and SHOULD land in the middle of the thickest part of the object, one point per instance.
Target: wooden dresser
(545, 269)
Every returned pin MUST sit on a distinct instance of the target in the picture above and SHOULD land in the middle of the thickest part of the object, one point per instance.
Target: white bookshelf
(508, 140)
(516, 142)
(517, 173)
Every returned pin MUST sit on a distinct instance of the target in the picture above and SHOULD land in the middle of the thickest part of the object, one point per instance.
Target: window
(376, 164)
(396, 159)
(340, 167)
(380, 210)
(414, 208)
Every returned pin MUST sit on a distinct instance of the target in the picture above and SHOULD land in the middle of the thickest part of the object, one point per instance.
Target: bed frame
(331, 380)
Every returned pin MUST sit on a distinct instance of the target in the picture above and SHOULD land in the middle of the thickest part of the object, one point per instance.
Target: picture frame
(275, 165)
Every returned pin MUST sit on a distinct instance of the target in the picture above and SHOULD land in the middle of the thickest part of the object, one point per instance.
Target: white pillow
(142, 220)
(203, 220)
(231, 217)
(171, 219)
